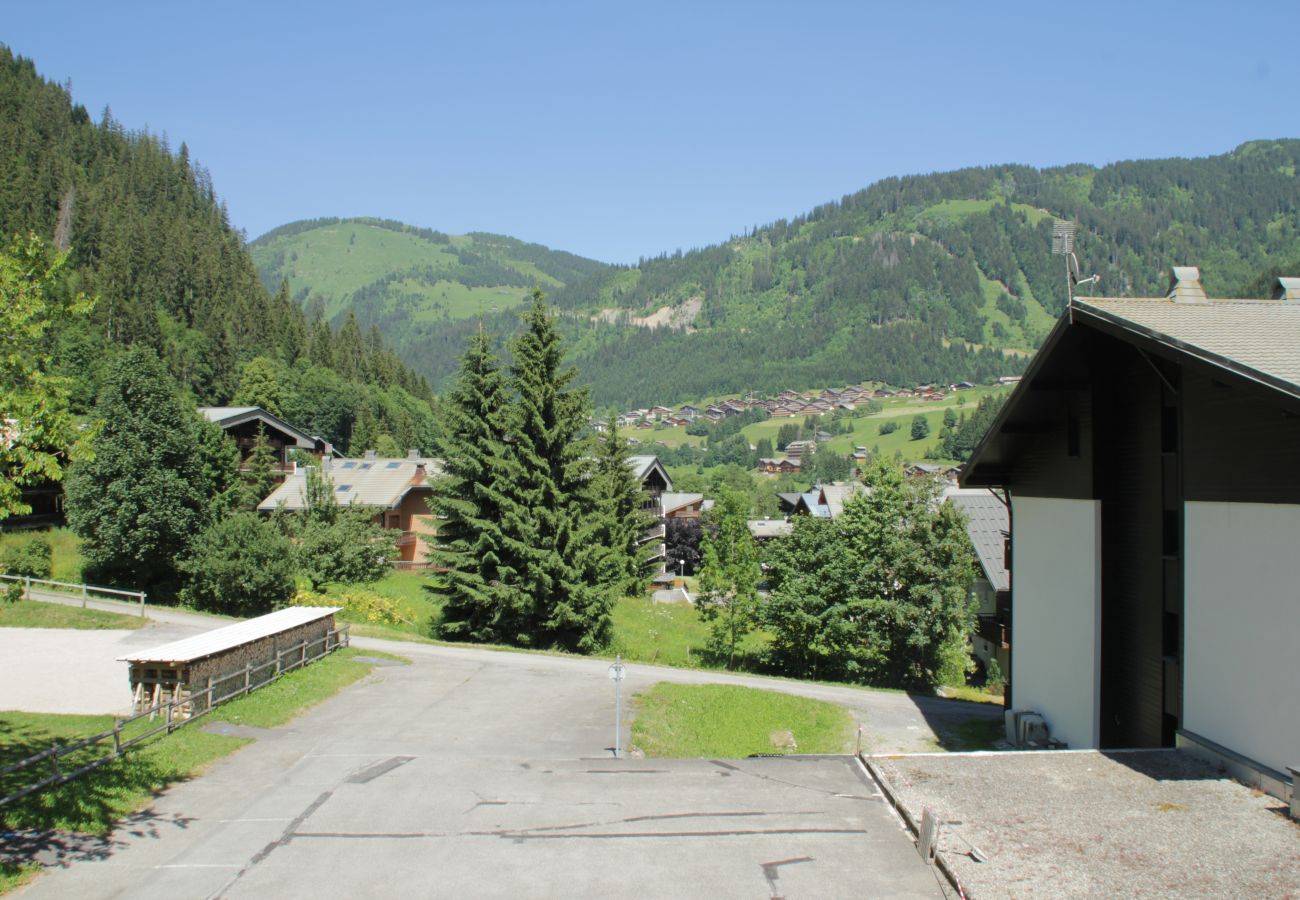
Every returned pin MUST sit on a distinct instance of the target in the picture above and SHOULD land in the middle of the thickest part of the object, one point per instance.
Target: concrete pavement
(484, 774)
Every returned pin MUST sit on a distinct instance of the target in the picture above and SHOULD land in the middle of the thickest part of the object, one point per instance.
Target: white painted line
(271, 819)
(201, 866)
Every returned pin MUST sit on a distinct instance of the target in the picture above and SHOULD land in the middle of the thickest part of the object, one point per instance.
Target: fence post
(27, 587)
(278, 662)
(209, 706)
(117, 737)
(83, 596)
(54, 758)
(168, 712)
(142, 604)
(248, 669)
(302, 656)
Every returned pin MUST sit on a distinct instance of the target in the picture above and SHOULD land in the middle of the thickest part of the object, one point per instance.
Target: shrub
(888, 427)
(360, 606)
(31, 558)
(350, 548)
(241, 566)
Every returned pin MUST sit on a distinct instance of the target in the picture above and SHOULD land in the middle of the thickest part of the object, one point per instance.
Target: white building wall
(1241, 656)
(1056, 614)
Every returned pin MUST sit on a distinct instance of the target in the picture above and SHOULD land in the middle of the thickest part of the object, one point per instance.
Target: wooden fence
(63, 587)
(175, 713)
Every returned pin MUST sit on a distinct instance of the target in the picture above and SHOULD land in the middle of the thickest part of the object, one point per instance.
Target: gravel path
(1088, 824)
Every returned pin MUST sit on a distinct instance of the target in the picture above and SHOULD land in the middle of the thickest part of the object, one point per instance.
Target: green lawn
(712, 720)
(670, 634)
(94, 802)
(65, 558)
(402, 592)
(38, 614)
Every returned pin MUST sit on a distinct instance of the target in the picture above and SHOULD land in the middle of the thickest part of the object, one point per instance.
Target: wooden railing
(82, 590)
(175, 713)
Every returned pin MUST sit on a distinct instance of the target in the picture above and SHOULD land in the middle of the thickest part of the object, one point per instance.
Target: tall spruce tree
(476, 574)
(619, 518)
(547, 517)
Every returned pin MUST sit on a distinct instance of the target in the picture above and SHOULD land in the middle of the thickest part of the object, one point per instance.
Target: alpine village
(938, 541)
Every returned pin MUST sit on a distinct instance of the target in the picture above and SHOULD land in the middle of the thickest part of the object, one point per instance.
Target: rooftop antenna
(1063, 245)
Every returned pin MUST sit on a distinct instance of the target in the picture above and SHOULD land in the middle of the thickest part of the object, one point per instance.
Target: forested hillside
(147, 236)
(888, 283)
(407, 281)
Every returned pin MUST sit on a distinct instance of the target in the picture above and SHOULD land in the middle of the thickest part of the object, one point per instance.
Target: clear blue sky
(621, 130)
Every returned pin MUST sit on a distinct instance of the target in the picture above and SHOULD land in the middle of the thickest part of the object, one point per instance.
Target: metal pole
(618, 709)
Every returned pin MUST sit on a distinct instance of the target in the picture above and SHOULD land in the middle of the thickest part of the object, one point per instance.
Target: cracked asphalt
(472, 773)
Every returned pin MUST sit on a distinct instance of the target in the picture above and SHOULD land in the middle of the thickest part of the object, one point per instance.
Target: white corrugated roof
(221, 639)
(988, 522)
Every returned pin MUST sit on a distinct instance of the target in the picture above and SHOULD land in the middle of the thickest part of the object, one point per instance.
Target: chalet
(397, 490)
(764, 530)
(883, 393)
(782, 466)
(659, 412)
(787, 395)
(797, 450)
(1149, 454)
(655, 482)
(1006, 380)
(930, 470)
(988, 523)
(673, 505)
(827, 501)
(242, 424)
(688, 412)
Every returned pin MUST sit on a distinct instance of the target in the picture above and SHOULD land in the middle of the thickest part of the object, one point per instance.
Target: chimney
(1185, 285)
(413, 453)
(371, 454)
(1285, 288)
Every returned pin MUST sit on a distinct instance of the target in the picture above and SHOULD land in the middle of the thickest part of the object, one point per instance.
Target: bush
(241, 566)
(31, 558)
(359, 606)
(888, 427)
(350, 548)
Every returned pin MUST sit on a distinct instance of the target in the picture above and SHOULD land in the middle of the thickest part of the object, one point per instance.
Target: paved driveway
(480, 774)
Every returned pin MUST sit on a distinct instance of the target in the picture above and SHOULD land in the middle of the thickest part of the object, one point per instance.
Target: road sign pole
(616, 674)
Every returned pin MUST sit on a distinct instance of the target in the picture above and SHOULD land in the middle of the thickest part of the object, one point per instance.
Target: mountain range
(938, 277)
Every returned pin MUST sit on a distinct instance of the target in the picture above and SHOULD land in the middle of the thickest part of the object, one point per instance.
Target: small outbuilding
(194, 670)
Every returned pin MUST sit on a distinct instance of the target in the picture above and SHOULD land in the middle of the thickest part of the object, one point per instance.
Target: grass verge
(37, 614)
(712, 720)
(972, 694)
(15, 875)
(93, 803)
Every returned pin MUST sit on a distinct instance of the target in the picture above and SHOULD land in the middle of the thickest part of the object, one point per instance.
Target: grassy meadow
(39, 614)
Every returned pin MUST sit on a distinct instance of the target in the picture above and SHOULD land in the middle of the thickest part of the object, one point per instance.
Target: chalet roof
(230, 416)
(219, 640)
(769, 528)
(838, 493)
(1258, 339)
(988, 524)
(671, 501)
(643, 466)
(359, 482)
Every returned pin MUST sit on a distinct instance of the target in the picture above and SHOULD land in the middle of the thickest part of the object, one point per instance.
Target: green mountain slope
(147, 235)
(940, 277)
(400, 277)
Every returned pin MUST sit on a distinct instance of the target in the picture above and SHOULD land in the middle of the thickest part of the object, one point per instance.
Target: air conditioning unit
(1026, 728)
(1031, 730)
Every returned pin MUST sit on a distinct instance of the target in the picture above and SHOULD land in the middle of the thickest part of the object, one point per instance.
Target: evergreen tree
(217, 457)
(140, 499)
(559, 569)
(258, 473)
(920, 427)
(620, 518)
(476, 569)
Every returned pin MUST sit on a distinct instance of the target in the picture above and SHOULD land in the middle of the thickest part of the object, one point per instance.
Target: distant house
(689, 413)
(1009, 379)
(778, 466)
(1150, 458)
(655, 482)
(931, 470)
(827, 501)
(673, 505)
(397, 489)
(241, 424)
(797, 450)
(764, 530)
(988, 523)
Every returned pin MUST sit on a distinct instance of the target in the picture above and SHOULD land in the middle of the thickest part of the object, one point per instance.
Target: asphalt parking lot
(481, 774)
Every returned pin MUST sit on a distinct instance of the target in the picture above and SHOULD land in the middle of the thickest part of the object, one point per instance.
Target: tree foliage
(143, 495)
(38, 434)
(729, 575)
(241, 565)
(878, 595)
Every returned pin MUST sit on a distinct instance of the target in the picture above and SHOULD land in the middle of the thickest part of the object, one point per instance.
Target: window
(392, 465)
(343, 488)
(365, 465)
(348, 465)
